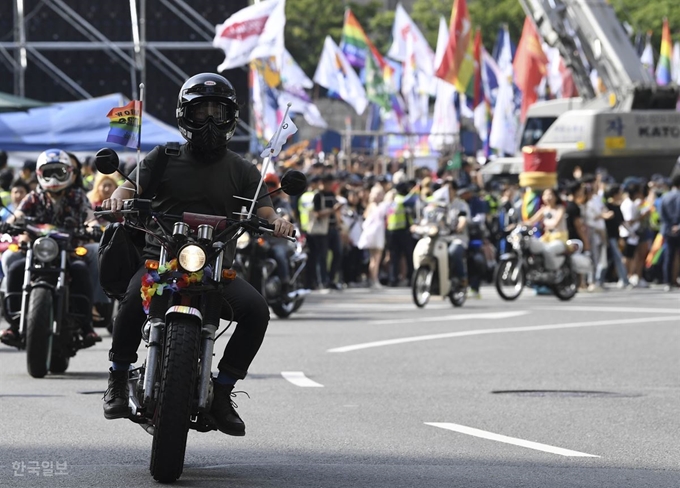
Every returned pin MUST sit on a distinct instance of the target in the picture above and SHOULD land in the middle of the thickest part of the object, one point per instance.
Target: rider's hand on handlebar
(114, 204)
(283, 228)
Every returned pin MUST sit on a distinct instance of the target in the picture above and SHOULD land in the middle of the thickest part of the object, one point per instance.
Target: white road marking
(535, 328)
(509, 440)
(298, 378)
(446, 318)
(613, 309)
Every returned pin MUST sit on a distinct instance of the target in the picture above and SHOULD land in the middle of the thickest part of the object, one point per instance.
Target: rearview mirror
(107, 161)
(294, 183)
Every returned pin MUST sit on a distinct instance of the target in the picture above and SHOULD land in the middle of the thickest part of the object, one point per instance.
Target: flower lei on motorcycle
(168, 277)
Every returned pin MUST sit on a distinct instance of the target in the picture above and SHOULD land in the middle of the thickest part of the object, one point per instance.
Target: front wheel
(39, 332)
(422, 286)
(457, 296)
(509, 279)
(566, 289)
(173, 411)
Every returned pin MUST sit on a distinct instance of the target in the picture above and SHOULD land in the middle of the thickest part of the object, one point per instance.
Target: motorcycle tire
(59, 361)
(498, 281)
(284, 310)
(458, 297)
(173, 411)
(422, 286)
(39, 332)
(566, 290)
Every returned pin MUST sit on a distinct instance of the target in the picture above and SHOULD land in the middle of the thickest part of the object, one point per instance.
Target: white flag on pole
(335, 73)
(251, 33)
(287, 129)
(675, 64)
(402, 28)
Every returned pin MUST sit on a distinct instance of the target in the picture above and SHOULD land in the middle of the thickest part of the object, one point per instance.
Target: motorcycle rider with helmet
(279, 248)
(59, 200)
(201, 176)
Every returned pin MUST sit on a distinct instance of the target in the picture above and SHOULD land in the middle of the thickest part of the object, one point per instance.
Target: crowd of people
(358, 222)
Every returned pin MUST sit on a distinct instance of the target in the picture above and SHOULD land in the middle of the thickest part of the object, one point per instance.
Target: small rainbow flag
(126, 124)
(663, 68)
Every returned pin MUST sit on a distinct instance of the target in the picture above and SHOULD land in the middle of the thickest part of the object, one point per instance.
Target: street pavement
(363, 389)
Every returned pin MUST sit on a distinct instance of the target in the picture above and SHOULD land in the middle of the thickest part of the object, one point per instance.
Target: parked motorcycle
(50, 317)
(254, 263)
(172, 391)
(532, 262)
(431, 260)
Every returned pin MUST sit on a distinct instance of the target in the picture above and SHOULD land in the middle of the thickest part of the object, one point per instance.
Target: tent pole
(20, 54)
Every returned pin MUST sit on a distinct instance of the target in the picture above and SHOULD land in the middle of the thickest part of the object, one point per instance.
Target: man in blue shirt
(669, 213)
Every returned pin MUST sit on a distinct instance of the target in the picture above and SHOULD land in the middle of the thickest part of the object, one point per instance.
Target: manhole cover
(566, 393)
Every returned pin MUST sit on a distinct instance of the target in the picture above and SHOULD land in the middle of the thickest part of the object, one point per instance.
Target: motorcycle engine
(272, 287)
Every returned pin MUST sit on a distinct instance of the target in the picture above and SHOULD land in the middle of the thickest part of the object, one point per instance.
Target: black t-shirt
(329, 201)
(573, 212)
(190, 185)
(614, 223)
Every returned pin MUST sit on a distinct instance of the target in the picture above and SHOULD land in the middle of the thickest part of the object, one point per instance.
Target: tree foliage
(309, 21)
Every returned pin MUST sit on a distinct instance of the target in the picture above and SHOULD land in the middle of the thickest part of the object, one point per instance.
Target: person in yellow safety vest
(400, 242)
(306, 204)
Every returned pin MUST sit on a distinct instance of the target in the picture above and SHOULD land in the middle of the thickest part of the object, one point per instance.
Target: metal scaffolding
(131, 55)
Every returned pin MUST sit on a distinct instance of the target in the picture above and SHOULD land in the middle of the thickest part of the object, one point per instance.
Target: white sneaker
(595, 288)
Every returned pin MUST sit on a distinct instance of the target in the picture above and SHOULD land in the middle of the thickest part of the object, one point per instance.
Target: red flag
(530, 65)
(477, 50)
(457, 66)
(568, 84)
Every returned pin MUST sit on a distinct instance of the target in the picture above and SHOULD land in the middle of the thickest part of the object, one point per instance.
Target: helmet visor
(58, 172)
(198, 113)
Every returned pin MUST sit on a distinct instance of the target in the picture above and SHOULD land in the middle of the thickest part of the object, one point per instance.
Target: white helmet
(54, 170)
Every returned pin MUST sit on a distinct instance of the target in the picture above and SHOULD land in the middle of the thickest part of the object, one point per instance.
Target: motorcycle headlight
(243, 241)
(45, 249)
(192, 258)
(432, 230)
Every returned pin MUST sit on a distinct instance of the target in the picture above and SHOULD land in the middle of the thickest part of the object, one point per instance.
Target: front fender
(193, 314)
(508, 256)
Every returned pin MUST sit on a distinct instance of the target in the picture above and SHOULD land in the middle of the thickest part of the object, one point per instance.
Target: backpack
(120, 248)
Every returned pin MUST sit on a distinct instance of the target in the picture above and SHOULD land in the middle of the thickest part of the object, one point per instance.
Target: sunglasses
(57, 172)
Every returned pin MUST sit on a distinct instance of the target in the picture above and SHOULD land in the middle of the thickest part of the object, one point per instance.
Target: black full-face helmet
(207, 111)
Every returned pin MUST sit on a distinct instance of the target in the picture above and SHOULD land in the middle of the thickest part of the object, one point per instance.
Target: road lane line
(533, 328)
(612, 309)
(460, 316)
(509, 440)
(298, 378)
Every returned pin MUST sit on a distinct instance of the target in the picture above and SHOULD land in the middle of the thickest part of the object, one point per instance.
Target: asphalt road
(532, 393)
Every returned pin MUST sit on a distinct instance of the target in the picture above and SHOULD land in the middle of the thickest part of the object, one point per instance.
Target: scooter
(431, 261)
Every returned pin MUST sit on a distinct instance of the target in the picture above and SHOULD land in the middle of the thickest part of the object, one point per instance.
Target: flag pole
(265, 162)
(139, 135)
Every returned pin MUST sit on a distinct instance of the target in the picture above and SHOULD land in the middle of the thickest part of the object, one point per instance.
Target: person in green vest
(306, 204)
(399, 220)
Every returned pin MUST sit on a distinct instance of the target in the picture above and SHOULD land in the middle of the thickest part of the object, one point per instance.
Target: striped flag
(663, 68)
(125, 124)
(458, 65)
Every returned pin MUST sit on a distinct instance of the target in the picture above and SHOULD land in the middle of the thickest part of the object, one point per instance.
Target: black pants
(400, 244)
(250, 312)
(80, 285)
(334, 246)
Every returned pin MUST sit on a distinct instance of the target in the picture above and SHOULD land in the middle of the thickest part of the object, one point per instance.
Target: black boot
(116, 397)
(222, 411)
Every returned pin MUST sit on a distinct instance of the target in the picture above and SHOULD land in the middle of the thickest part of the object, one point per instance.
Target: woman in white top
(373, 233)
(553, 217)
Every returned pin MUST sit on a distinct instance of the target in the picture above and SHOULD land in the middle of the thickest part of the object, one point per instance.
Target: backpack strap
(171, 149)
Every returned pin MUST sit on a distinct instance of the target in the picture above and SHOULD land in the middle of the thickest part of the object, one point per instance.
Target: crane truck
(631, 128)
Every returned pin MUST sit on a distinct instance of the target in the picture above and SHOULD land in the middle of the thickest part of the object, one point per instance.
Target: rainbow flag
(663, 68)
(354, 42)
(126, 124)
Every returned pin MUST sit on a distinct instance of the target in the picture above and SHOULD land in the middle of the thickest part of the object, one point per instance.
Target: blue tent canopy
(75, 126)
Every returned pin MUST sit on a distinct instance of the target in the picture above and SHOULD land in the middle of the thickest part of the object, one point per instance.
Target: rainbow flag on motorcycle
(126, 124)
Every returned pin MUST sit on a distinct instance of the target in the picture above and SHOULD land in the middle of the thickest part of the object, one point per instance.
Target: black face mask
(209, 137)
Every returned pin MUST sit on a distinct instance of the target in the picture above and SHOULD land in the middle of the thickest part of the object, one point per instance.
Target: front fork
(26, 291)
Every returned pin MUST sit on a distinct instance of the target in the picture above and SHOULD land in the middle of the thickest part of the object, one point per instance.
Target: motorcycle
(431, 260)
(50, 316)
(254, 263)
(172, 391)
(532, 262)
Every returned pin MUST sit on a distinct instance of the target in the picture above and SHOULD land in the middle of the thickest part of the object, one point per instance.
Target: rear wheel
(422, 286)
(509, 279)
(173, 412)
(39, 332)
(458, 295)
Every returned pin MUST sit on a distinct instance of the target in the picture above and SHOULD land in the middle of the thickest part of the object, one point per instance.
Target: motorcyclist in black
(204, 177)
(280, 249)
